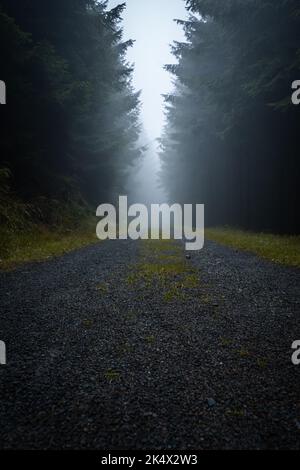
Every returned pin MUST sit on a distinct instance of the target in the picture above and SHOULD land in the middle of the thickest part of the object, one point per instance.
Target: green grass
(163, 265)
(112, 375)
(161, 261)
(277, 248)
(41, 243)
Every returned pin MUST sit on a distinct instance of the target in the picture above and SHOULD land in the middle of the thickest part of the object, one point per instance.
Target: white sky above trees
(150, 23)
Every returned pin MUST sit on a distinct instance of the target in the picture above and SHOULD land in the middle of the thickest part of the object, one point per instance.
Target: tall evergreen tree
(231, 137)
(70, 127)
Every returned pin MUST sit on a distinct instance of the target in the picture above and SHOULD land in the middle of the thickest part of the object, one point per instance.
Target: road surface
(130, 345)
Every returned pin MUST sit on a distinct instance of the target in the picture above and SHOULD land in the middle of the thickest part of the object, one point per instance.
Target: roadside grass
(40, 243)
(277, 248)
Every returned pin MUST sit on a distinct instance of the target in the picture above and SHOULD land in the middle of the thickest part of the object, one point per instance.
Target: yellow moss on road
(162, 262)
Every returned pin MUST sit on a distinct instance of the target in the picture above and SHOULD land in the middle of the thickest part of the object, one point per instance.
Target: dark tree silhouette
(70, 129)
(231, 135)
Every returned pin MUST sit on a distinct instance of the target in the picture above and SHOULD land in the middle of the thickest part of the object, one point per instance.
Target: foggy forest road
(128, 345)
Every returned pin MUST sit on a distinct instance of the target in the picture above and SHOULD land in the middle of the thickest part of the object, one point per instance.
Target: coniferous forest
(69, 132)
(231, 140)
(231, 136)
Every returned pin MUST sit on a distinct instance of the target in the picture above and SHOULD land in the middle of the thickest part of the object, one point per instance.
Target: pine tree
(71, 127)
(230, 141)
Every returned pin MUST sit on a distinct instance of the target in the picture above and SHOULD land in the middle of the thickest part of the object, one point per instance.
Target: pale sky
(150, 23)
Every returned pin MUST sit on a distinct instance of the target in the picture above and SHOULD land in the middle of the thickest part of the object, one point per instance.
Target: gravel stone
(94, 363)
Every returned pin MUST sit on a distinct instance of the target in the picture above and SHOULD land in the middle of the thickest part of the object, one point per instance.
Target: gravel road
(101, 357)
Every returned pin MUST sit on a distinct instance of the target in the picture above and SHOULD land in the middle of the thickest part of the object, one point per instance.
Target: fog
(151, 24)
